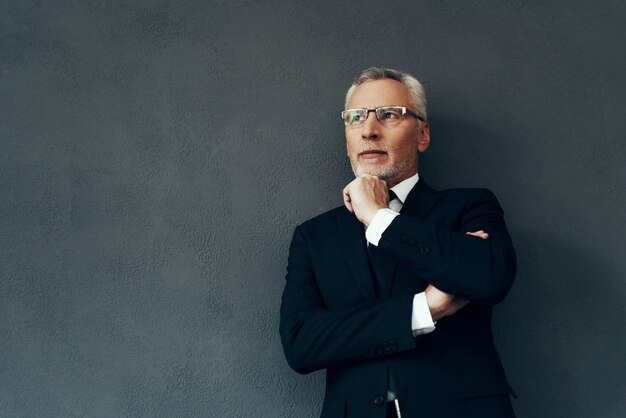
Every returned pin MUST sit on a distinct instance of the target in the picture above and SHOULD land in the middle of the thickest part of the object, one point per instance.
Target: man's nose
(371, 127)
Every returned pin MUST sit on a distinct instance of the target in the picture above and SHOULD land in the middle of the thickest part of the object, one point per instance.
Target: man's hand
(443, 304)
(364, 196)
(480, 234)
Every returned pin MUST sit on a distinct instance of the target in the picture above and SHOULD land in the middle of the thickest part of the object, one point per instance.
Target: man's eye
(389, 115)
(356, 117)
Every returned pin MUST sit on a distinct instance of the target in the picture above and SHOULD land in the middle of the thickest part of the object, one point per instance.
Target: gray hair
(416, 90)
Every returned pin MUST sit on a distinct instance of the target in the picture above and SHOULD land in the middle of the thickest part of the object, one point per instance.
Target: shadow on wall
(463, 154)
(559, 332)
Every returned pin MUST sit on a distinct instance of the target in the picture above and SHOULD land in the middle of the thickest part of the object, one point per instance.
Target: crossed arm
(462, 268)
(454, 256)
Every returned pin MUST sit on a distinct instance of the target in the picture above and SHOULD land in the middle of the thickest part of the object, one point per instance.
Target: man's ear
(423, 137)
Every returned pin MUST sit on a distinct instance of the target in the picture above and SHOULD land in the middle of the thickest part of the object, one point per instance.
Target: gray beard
(384, 173)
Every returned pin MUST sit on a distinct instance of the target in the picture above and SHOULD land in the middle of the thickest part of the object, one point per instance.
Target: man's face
(389, 153)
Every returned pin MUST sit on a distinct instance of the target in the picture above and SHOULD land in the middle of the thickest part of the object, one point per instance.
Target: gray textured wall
(156, 156)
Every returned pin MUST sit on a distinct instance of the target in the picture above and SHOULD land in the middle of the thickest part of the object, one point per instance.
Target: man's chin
(381, 174)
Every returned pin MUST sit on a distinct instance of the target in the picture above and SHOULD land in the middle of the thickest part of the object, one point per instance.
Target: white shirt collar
(403, 188)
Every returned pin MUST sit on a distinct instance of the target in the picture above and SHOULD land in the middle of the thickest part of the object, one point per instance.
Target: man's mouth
(372, 153)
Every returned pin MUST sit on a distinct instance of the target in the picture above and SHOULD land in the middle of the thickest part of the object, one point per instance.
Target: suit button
(403, 240)
(424, 250)
(379, 400)
(411, 243)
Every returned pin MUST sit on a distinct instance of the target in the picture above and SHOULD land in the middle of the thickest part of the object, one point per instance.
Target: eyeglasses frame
(405, 111)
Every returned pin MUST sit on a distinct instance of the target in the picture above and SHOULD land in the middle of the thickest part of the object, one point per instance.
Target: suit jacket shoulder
(323, 218)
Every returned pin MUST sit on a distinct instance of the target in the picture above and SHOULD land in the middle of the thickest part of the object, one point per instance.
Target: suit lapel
(420, 200)
(354, 246)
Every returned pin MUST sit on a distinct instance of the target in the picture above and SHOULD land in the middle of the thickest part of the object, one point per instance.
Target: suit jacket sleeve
(316, 337)
(451, 260)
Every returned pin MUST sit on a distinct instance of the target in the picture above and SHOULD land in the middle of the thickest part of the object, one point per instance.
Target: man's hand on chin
(364, 196)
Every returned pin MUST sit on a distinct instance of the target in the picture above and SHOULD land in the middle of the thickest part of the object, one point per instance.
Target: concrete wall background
(155, 157)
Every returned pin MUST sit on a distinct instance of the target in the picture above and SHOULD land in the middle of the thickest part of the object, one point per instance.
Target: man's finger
(481, 234)
(346, 198)
(346, 202)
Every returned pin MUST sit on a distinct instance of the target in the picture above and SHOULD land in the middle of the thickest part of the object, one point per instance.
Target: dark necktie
(378, 262)
(392, 195)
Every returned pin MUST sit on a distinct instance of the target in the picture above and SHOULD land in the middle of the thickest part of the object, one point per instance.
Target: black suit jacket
(332, 319)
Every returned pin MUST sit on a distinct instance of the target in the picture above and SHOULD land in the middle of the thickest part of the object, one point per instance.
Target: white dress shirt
(421, 321)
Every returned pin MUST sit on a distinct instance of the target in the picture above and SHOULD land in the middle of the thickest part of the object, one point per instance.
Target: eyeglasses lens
(388, 116)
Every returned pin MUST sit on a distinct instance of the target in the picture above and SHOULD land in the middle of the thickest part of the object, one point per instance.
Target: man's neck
(394, 182)
(403, 188)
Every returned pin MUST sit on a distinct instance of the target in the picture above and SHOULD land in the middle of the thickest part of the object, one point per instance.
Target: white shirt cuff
(379, 223)
(422, 321)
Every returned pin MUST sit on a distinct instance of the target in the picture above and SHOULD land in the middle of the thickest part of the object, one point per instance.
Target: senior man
(393, 292)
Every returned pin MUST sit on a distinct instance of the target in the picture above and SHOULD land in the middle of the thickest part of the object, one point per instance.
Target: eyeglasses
(387, 115)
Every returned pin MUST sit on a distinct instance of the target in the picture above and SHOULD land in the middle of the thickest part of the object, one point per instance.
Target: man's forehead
(377, 93)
